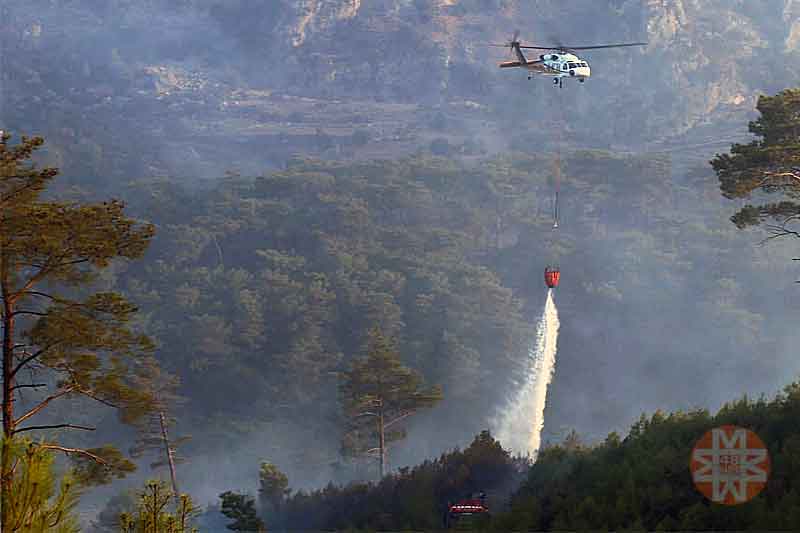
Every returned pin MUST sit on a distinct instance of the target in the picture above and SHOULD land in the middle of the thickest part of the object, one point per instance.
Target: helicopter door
(564, 66)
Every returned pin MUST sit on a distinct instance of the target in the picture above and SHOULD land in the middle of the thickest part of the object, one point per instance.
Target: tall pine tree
(155, 429)
(769, 164)
(377, 393)
(60, 339)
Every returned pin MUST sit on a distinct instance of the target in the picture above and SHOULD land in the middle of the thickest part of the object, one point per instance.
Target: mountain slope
(129, 86)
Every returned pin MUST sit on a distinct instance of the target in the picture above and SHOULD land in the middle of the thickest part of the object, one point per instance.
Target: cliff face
(712, 54)
(707, 59)
(791, 17)
(317, 15)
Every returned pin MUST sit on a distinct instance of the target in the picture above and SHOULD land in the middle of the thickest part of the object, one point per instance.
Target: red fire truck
(467, 509)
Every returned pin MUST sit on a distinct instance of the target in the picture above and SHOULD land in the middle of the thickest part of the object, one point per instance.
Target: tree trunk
(170, 459)
(155, 507)
(382, 441)
(8, 408)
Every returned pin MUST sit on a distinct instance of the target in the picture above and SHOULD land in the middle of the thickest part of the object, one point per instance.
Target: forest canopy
(641, 482)
(278, 279)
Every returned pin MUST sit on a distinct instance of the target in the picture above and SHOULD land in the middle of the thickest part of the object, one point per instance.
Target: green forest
(637, 483)
(282, 308)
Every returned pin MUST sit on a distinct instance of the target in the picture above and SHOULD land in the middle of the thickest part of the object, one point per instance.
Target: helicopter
(559, 62)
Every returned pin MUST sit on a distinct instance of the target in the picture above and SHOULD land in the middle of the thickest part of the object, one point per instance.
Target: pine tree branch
(32, 184)
(32, 357)
(42, 294)
(26, 312)
(44, 403)
(37, 266)
(54, 426)
(27, 508)
(96, 398)
(72, 263)
(13, 468)
(792, 175)
(777, 232)
(781, 230)
(77, 451)
(29, 386)
(43, 272)
(398, 419)
(36, 278)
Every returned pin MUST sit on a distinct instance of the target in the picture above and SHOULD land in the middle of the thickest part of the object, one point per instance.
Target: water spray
(519, 425)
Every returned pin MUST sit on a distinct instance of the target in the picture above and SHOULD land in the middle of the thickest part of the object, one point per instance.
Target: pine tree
(377, 393)
(38, 504)
(56, 333)
(770, 164)
(153, 514)
(273, 487)
(241, 508)
(154, 429)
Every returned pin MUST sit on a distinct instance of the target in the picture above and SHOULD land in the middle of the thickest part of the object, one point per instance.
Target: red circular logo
(730, 465)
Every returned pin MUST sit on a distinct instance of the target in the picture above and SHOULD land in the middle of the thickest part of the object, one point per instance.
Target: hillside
(643, 481)
(640, 481)
(198, 87)
(277, 279)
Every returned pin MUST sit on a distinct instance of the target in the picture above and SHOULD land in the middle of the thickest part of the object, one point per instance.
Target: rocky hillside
(706, 59)
(155, 87)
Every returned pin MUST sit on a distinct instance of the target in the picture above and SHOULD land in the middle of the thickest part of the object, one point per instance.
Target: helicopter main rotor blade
(606, 46)
(583, 47)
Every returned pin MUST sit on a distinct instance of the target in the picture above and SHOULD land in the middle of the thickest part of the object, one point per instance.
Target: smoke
(519, 425)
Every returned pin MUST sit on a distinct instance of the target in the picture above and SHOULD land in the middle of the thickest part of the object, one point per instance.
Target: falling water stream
(519, 425)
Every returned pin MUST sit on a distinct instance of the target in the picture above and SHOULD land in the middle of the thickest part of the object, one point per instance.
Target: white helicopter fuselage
(558, 64)
(561, 65)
